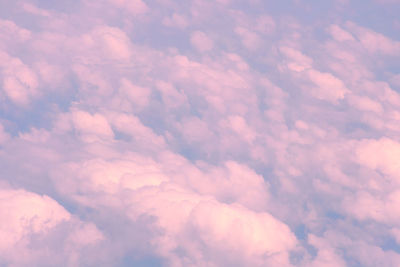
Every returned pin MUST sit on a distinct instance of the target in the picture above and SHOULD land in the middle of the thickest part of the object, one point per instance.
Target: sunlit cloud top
(200, 133)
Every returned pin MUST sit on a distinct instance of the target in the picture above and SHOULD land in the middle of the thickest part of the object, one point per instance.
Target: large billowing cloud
(199, 133)
(36, 230)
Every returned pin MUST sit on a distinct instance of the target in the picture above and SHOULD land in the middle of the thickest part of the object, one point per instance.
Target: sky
(200, 133)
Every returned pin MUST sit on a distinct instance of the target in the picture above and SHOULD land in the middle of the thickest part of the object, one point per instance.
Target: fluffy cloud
(199, 133)
(201, 41)
(380, 155)
(19, 82)
(33, 219)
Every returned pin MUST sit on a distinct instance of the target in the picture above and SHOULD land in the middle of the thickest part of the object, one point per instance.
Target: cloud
(340, 34)
(201, 41)
(19, 82)
(135, 7)
(198, 133)
(110, 42)
(380, 155)
(176, 20)
(375, 42)
(249, 39)
(10, 32)
(217, 227)
(91, 127)
(299, 61)
(328, 86)
(31, 218)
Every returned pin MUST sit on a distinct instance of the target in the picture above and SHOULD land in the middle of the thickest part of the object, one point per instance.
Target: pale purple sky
(200, 133)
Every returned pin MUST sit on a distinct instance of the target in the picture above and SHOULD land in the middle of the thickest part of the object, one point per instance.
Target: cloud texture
(199, 133)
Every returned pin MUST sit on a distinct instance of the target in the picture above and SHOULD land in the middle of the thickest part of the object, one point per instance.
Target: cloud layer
(199, 133)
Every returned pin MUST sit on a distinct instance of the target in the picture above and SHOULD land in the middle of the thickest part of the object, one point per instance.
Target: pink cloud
(135, 7)
(245, 235)
(10, 32)
(49, 74)
(239, 125)
(133, 94)
(112, 42)
(91, 127)
(19, 81)
(207, 153)
(201, 41)
(250, 39)
(194, 129)
(30, 8)
(340, 34)
(27, 212)
(133, 127)
(381, 154)
(326, 255)
(328, 87)
(375, 42)
(366, 103)
(298, 61)
(176, 20)
(33, 216)
(172, 98)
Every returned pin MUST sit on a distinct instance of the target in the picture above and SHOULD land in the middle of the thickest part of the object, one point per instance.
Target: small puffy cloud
(195, 129)
(135, 7)
(171, 96)
(30, 8)
(340, 34)
(326, 254)
(108, 42)
(49, 74)
(381, 154)
(373, 41)
(10, 32)
(366, 206)
(239, 125)
(297, 60)
(250, 39)
(328, 87)
(97, 175)
(19, 81)
(201, 41)
(91, 127)
(176, 20)
(132, 94)
(366, 104)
